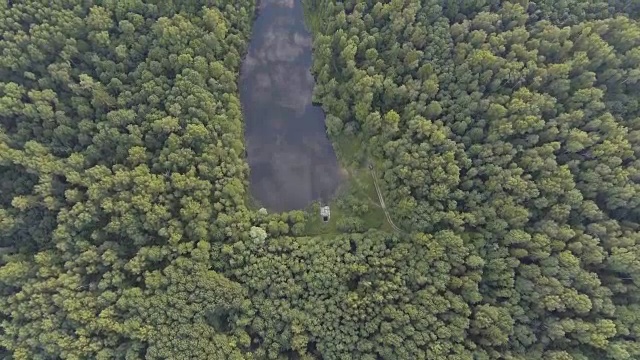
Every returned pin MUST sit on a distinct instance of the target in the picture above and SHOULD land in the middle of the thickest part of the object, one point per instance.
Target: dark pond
(292, 162)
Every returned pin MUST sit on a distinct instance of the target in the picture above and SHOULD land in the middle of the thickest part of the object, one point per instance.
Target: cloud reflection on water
(292, 162)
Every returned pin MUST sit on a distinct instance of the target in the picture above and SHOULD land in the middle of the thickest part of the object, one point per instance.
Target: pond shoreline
(292, 162)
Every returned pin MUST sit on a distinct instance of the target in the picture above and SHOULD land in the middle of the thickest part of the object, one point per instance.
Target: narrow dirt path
(384, 207)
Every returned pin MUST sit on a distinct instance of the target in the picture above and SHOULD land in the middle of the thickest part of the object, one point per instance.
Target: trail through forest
(134, 139)
(384, 207)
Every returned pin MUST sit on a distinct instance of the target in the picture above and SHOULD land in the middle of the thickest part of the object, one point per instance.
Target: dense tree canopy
(508, 139)
(121, 158)
(514, 126)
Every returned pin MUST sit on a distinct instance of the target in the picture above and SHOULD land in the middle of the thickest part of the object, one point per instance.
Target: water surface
(291, 160)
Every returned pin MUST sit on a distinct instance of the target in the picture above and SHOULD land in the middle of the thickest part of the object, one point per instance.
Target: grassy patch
(355, 207)
(357, 200)
(312, 18)
(362, 188)
(315, 225)
(350, 151)
(250, 202)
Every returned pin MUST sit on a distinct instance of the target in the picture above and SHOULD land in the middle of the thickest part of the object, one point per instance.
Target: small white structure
(325, 212)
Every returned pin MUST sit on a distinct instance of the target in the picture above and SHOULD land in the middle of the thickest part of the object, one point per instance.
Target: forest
(506, 134)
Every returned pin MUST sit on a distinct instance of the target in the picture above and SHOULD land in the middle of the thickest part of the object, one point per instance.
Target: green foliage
(512, 125)
(358, 295)
(120, 159)
(506, 140)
